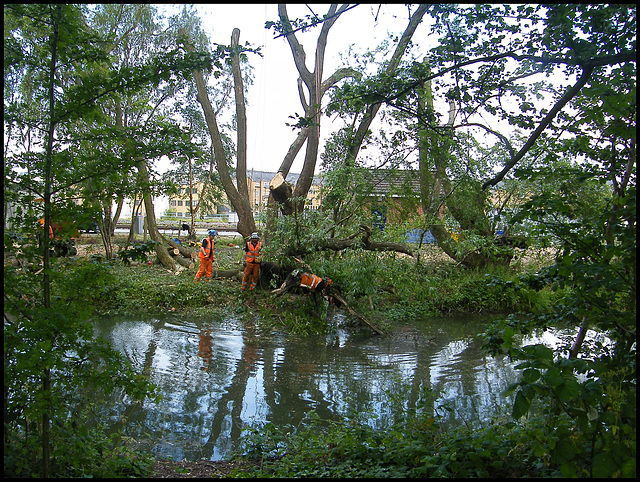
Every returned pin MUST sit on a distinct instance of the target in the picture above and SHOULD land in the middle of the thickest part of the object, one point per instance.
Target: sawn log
(186, 252)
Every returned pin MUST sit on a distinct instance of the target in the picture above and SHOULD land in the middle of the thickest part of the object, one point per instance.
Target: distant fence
(213, 218)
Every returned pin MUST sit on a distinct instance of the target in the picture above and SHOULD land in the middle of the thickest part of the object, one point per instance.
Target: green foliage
(58, 339)
(585, 402)
(83, 451)
(136, 252)
(416, 445)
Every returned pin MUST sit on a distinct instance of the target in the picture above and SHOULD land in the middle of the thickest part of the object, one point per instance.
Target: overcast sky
(274, 95)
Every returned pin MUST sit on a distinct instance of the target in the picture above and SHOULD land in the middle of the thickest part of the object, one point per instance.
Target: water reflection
(218, 376)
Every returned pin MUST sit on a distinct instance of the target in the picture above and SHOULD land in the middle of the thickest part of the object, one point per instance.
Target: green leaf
(520, 406)
(530, 375)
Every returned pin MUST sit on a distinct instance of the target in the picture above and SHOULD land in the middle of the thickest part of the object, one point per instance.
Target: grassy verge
(385, 288)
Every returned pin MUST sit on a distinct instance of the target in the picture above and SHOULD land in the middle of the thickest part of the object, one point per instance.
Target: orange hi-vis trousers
(251, 271)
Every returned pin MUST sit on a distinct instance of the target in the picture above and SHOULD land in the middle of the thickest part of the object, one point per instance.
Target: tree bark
(154, 234)
(186, 263)
(239, 198)
(316, 90)
(436, 191)
(312, 106)
(360, 238)
(186, 252)
(226, 273)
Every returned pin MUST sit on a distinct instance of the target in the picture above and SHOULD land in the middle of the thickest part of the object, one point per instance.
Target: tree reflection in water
(220, 376)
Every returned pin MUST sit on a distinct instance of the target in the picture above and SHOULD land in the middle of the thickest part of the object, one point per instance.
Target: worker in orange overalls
(309, 282)
(41, 221)
(206, 257)
(252, 262)
(205, 346)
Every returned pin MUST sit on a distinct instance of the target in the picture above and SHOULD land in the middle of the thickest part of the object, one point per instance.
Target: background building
(258, 185)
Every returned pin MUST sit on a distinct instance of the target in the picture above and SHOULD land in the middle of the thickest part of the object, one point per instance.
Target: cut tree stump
(282, 192)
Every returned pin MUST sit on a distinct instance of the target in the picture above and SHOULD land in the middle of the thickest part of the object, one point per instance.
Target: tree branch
(570, 94)
(354, 240)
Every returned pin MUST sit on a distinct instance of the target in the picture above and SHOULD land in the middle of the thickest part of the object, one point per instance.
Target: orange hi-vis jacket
(207, 249)
(253, 252)
(311, 281)
(41, 221)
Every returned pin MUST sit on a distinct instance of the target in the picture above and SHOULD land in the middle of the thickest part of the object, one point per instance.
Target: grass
(434, 287)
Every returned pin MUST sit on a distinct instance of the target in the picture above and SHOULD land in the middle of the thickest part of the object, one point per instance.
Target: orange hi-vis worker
(252, 262)
(41, 221)
(206, 257)
(309, 281)
(314, 283)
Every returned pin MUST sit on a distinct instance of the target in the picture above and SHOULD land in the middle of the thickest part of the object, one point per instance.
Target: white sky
(273, 97)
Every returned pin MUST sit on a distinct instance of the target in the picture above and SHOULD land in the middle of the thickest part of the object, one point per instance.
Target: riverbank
(394, 288)
(171, 469)
(145, 288)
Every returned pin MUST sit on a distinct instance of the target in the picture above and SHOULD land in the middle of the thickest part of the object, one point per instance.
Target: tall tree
(133, 36)
(238, 195)
(480, 77)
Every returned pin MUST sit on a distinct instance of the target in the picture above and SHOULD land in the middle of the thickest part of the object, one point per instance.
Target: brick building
(258, 185)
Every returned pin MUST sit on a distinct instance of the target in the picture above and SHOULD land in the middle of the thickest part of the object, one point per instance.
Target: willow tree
(490, 81)
(312, 89)
(238, 195)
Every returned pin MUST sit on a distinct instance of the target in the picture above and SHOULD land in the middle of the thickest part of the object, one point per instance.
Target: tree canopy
(494, 127)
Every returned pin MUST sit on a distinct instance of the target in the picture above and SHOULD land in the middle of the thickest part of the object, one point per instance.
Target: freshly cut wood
(174, 251)
(184, 251)
(282, 192)
(186, 262)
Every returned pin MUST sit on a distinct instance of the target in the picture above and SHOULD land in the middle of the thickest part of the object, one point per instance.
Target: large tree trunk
(186, 252)
(165, 259)
(316, 90)
(281, 191)
(312, 105)
(361, 238)
(239, 198)
(436, 192)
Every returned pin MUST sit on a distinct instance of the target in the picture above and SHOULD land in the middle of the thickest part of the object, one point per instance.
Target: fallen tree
(332, 292)
(361, 238)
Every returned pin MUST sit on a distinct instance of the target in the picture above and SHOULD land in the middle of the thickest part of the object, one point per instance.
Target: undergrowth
(418, 444)
(383, 288)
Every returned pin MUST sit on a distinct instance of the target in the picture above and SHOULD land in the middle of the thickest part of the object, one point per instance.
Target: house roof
(292, 177)
(393, 182)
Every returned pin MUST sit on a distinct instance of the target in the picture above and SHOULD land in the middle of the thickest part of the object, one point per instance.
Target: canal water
(219, 376)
